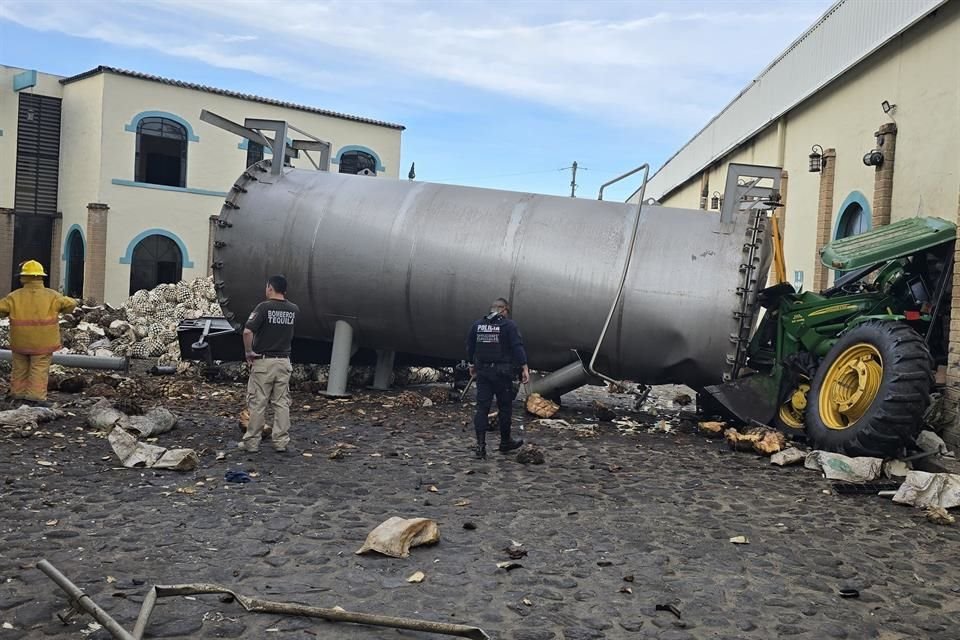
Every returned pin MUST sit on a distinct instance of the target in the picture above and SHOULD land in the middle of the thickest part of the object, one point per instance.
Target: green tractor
(852, 367)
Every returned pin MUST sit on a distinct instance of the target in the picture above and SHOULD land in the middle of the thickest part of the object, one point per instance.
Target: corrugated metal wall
(845, 35)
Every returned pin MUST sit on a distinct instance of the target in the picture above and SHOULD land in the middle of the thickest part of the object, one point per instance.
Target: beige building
(110, 177)
(869, 78)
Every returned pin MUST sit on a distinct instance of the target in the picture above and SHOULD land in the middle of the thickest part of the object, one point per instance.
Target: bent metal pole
(82, 601)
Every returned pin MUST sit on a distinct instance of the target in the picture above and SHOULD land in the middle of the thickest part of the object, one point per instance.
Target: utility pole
(573, 180)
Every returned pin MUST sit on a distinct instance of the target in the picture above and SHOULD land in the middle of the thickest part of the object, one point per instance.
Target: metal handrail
(643, 186)
(645, 167)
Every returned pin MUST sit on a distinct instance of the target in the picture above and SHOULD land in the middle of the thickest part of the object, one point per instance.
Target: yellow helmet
(32, 268)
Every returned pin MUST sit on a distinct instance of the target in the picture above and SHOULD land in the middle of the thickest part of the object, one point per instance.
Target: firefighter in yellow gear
(34, 312)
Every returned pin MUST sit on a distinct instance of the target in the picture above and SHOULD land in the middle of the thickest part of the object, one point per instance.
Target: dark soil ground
(613, 523)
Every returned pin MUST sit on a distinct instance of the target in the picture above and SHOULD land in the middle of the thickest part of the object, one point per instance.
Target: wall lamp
(873, 158)
(887, 107)
(816, 159)
(716, 201)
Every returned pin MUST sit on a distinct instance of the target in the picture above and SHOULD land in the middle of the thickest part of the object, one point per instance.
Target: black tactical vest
(491, 346)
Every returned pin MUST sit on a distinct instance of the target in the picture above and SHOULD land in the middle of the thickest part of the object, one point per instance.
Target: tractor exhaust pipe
(77, 361)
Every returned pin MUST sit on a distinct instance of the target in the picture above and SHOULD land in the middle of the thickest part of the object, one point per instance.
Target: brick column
(824, 216)
(952, 389)
(95, 259)
(883, 177)
(7, 225)
(56, 249)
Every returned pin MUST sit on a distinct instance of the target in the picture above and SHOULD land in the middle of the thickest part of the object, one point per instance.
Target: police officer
(495, 351)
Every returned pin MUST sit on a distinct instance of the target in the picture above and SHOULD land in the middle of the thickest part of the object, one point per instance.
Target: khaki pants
(29, 378)
(269, 383)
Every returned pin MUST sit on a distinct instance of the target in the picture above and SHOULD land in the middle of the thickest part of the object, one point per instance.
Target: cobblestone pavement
(607, 514)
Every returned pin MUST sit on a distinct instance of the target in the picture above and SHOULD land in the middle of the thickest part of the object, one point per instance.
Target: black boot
(510, 445)
(481, 451)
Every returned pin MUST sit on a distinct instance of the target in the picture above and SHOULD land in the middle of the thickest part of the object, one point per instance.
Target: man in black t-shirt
(266, 338)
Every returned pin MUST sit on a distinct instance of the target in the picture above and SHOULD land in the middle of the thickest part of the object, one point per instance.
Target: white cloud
(670, 64)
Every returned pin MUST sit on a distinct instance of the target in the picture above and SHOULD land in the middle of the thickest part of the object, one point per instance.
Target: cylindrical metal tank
(410, 265)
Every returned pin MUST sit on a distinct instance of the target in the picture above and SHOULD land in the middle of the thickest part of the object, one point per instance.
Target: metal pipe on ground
(80, 600)
(77, 361)
(563, 380)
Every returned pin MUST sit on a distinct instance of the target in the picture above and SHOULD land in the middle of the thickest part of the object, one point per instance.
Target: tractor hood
(887, 243)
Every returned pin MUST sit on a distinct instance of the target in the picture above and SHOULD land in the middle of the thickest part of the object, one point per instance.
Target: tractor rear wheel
(870, 392)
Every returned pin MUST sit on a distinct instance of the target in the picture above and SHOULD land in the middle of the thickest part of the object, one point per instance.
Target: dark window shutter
(38, 155)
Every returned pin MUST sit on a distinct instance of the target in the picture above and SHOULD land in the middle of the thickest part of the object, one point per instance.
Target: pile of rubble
(145, 326)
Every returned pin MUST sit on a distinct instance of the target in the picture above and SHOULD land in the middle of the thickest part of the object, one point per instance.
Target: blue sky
(493, 94)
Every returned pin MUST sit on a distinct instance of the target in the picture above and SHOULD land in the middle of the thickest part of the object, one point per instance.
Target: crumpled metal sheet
(922, 489)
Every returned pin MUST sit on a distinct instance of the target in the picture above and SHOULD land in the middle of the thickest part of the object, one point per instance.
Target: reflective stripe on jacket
(34, 314)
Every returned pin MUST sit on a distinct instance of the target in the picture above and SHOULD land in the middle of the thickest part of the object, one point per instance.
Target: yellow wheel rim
(791, 411)
(850, 386)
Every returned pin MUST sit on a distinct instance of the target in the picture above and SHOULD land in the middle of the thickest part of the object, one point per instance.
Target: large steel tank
(410, 265)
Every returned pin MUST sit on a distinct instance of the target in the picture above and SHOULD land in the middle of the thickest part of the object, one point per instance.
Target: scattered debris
(416, 578)
(740, 540)
(602, 412)
(28, 416)
(790, 455)
(929, 441)
(541, 407)
(462, 503)
(396, 536)
(237, 476)
(469, 526)
(922, 489)
(133, 453)
(762, 440)
(252, 605)
(939, 515)
(516, 551)
(669, 607)
(849, 593)
(530, 454)
(581, 429)
(712, 429)
(626, 590)
(527, 602)
(896, 469)
(509, 566)
(682, 399)
(835, 466)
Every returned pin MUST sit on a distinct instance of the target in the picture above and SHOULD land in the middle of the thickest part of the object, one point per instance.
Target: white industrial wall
(918, 72)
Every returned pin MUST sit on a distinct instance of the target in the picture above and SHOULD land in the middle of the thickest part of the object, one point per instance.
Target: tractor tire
(870, 392)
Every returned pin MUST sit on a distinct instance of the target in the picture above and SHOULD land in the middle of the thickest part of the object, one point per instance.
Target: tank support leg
(381, 376)
(340, 360)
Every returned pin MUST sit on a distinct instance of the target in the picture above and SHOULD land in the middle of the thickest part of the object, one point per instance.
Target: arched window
(156, 260)
(161, 152)
(75, 257)
(853, 221)
(356, 162)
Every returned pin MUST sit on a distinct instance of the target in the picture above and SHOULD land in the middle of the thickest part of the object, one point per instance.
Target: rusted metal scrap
(81, 601)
